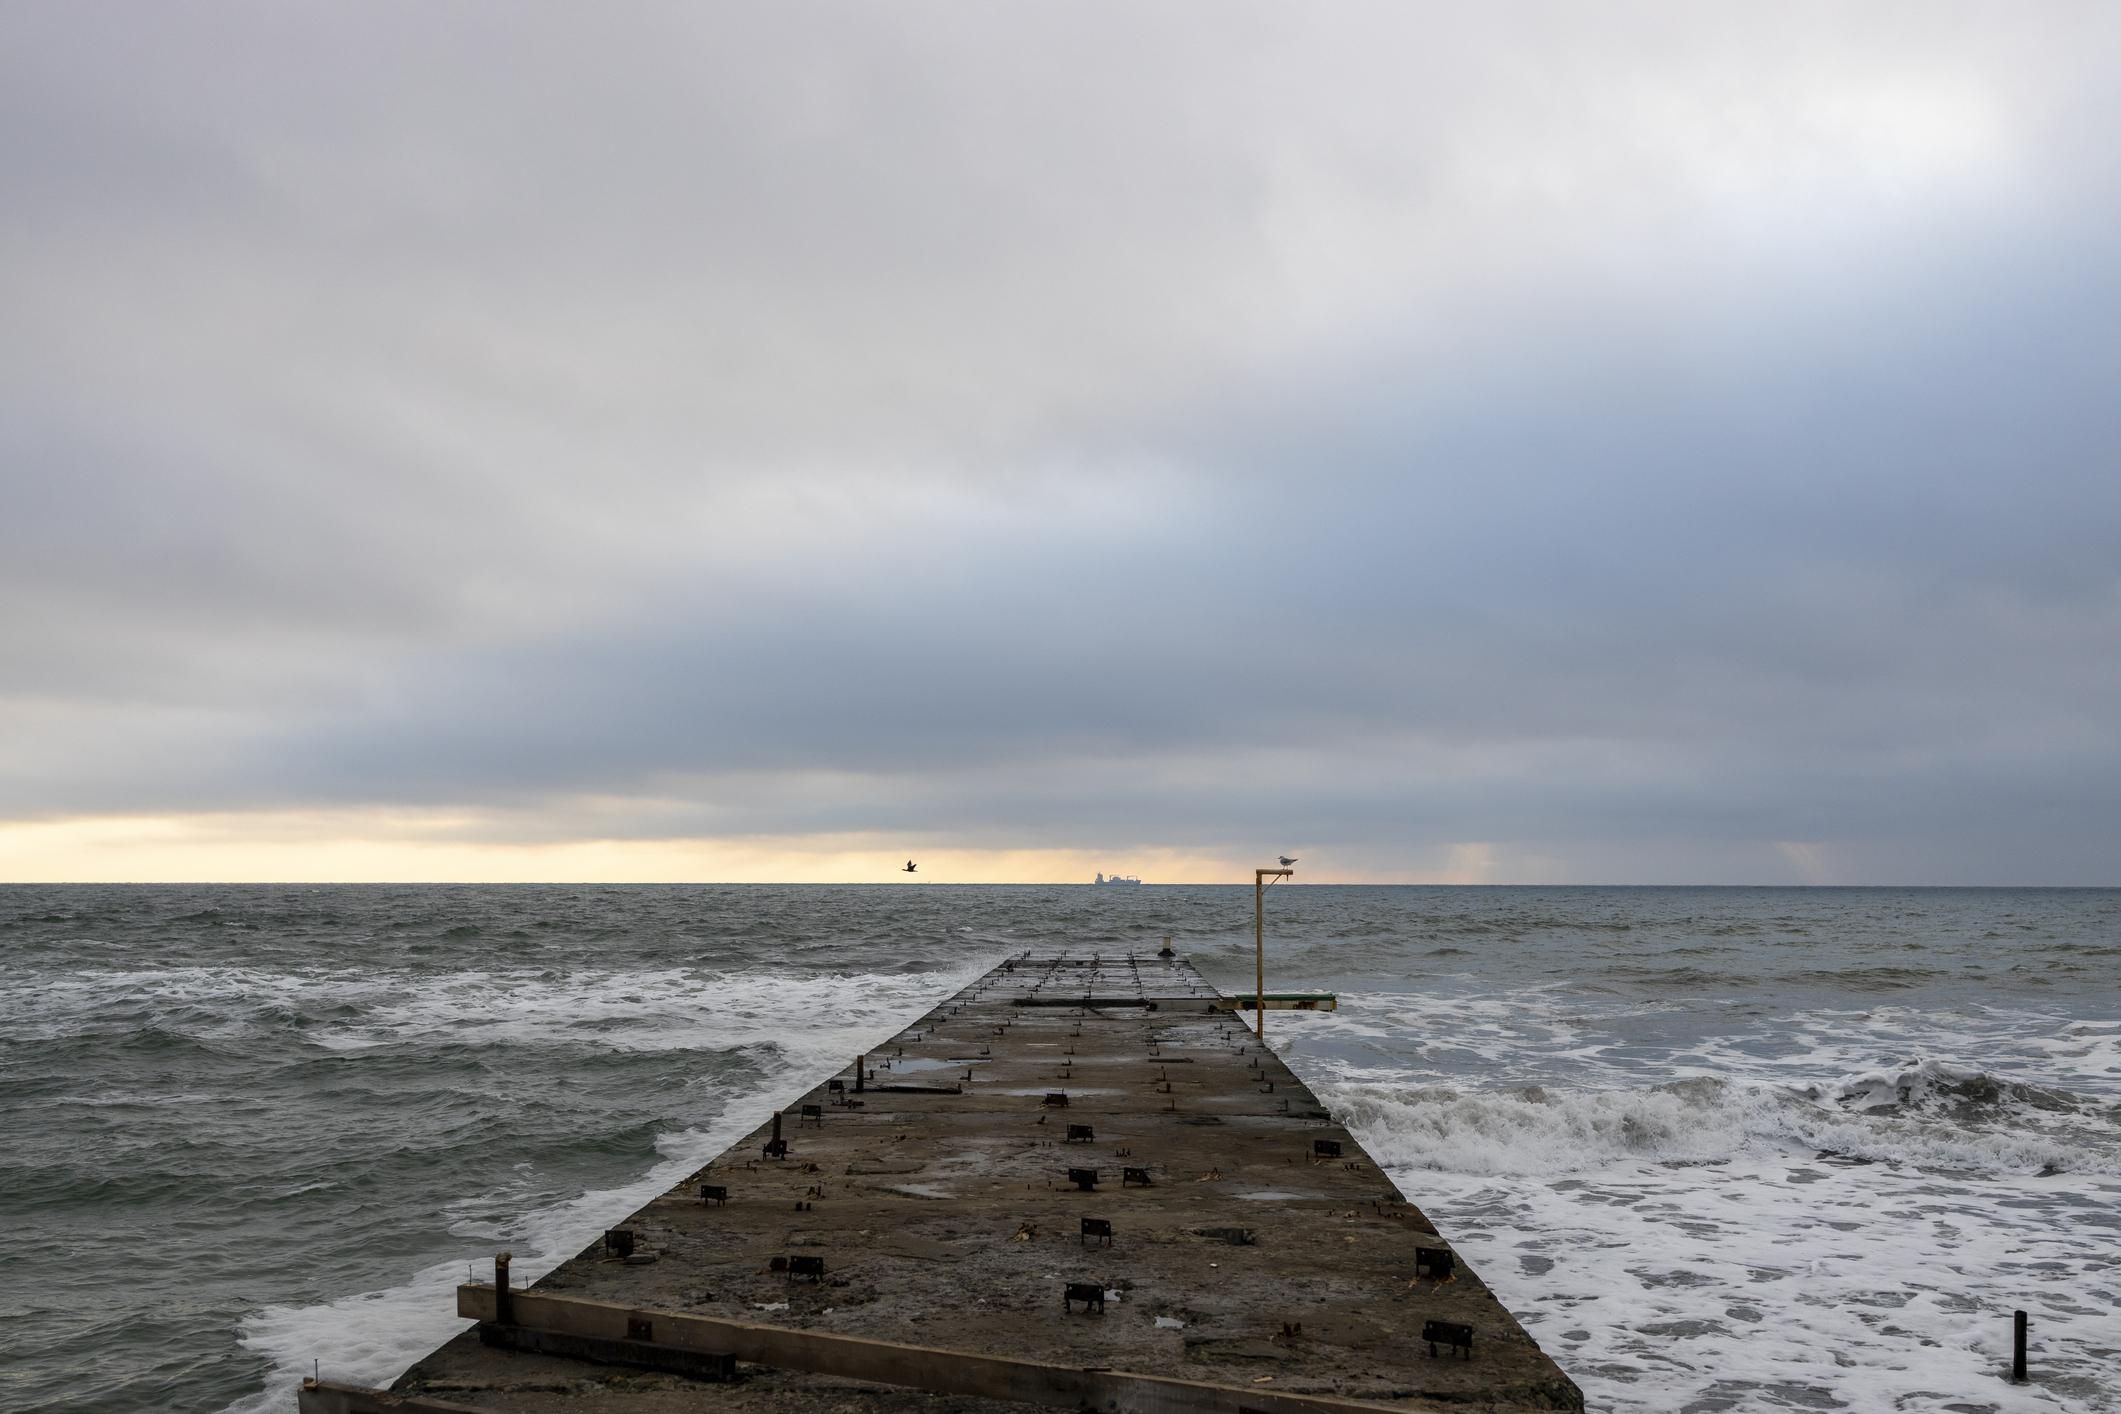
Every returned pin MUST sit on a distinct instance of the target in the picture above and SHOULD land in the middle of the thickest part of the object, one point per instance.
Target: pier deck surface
(945, 1218)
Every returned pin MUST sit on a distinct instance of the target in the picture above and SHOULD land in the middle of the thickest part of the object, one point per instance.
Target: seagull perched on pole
(1286, 861)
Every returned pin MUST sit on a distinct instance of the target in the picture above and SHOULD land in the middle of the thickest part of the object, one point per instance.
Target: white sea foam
(1805, 1227)
(616, 1009)
(1786, 1283)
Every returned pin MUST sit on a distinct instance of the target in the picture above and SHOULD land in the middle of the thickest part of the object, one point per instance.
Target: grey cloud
(1023, 429)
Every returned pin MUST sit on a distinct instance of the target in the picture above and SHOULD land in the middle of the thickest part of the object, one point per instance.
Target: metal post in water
(861, 1063)
(2018, 1347)
(503, 1299)
(776, 1126)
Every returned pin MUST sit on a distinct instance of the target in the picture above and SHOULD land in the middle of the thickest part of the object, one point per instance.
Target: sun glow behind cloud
(315, 848)
(362, 846)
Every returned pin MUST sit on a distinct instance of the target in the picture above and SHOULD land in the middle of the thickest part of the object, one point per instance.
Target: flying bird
(1286, 861)
(908, 869)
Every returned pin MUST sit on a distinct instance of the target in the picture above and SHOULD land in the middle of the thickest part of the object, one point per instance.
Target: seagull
(1286, 861)
(908, 869)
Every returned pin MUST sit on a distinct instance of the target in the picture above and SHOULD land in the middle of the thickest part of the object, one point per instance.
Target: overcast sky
(1507, 443)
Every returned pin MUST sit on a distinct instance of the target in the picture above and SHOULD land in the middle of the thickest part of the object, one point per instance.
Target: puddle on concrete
(921, 1190)
(914, 1065)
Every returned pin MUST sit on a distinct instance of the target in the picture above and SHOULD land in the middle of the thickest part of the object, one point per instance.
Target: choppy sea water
(1718, 1148)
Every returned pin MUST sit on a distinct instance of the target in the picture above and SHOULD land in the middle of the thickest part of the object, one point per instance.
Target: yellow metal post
(1259, 945)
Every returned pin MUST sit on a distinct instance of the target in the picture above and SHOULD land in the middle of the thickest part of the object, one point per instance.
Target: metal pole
(1259, 953)
(2018, 1347)
(1259, 943)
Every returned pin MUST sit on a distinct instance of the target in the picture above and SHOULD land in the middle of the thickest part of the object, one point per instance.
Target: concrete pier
(1078, 1183)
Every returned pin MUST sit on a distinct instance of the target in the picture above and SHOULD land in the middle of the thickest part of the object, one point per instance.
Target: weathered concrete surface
(945, 1218)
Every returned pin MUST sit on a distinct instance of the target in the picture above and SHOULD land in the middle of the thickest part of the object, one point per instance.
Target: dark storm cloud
(1634, 445)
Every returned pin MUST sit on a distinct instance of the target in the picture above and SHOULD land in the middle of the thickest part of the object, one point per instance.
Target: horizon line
(973, 884)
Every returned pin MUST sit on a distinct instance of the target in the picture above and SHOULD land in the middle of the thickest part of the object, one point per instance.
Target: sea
(1718, 1148)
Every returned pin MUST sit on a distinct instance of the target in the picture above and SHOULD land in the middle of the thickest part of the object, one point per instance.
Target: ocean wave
(1538, 1130)
(1865, 978)
(1935, 1087)
(227, 1012)
(1682, 976)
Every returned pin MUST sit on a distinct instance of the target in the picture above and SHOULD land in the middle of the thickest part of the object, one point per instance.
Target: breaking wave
(1931, 1115)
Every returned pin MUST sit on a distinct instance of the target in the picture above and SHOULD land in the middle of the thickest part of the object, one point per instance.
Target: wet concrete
(941, 1206)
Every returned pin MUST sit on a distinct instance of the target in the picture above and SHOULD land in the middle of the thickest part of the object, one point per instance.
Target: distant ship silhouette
(1125, 880)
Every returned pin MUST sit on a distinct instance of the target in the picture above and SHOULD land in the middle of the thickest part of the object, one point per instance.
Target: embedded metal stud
(1089, 1293)
(1455, 1334)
